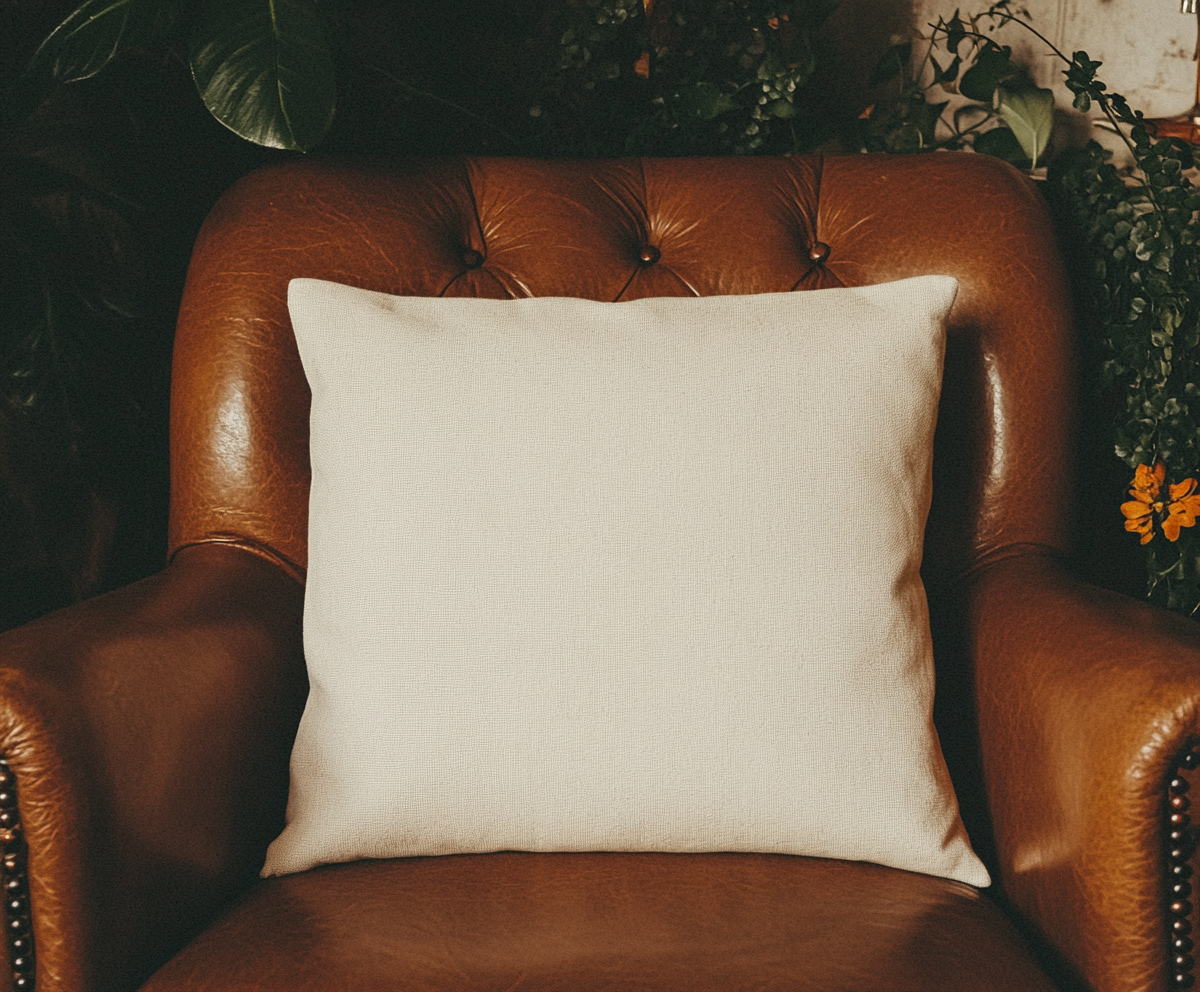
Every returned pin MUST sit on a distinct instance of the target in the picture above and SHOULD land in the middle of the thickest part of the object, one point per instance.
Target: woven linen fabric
(621, 576)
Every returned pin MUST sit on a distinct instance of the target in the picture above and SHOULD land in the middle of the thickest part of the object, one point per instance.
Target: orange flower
(642, 65)
(648, 7)
(1183, 508)
(1179, 510)
(1139, 513)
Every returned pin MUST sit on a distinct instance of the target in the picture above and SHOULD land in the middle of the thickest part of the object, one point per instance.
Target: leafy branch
(676, 77)
(1012, 117)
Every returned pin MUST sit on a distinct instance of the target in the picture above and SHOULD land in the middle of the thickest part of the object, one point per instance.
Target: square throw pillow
(621, 577)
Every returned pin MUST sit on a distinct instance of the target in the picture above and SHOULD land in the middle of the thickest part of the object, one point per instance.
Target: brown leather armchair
(147, 732)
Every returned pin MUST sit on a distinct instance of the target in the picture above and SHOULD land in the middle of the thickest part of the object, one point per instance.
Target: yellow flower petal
(1134, 510)
(1178, 515)
(1181, 489)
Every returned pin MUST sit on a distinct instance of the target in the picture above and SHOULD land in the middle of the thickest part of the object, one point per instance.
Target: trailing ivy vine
(1141, 234)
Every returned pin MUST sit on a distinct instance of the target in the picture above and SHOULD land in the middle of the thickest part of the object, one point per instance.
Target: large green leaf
(1029, 111)
(264, 70)
(91, 36)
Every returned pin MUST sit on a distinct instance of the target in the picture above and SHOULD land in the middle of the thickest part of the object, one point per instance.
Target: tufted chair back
(622, 230)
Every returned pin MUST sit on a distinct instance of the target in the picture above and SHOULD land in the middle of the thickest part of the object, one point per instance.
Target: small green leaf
(264, 70)
(1029, 111)
(780, 108)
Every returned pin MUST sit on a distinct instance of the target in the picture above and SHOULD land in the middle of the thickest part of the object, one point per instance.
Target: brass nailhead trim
(1180, 836)
(14, 876)
(648, 255)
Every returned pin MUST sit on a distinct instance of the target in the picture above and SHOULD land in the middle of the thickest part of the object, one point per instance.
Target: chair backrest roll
(618, 230)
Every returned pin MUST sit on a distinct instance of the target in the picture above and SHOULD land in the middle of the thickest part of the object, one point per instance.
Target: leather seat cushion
(584, 922)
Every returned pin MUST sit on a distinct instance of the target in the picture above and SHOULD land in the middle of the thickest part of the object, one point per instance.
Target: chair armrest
(149, 731)
(1086, 700)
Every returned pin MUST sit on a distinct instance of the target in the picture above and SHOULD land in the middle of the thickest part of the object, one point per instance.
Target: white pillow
(621, 576)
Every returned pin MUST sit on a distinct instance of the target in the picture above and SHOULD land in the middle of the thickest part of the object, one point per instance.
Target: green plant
(263, 68)
(604, 77)
(1000, 111)
(679, 77)
(1140, 232)
(1137, 229)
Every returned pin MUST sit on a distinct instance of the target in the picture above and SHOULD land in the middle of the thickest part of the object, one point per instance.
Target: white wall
(1146, 46)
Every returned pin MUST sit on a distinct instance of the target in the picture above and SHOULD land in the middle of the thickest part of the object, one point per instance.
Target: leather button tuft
(649, 254)
(471, 258)
(819, 252)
